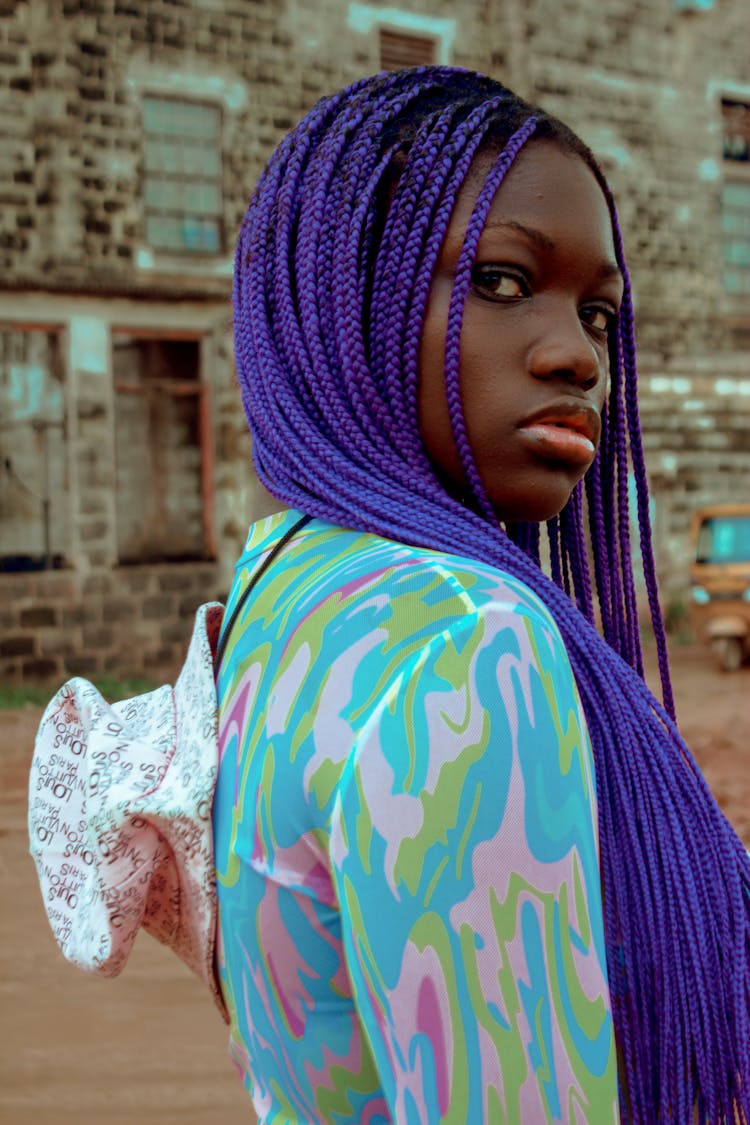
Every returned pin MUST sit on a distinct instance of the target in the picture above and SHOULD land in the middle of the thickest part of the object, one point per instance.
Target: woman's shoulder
(359, 568)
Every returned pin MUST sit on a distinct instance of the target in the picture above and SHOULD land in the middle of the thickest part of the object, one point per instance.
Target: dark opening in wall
(162, 451)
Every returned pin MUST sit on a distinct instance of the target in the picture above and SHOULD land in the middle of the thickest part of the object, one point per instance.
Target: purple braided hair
(333, 275)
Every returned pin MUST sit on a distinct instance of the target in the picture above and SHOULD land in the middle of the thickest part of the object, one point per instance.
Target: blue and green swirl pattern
(410, 915)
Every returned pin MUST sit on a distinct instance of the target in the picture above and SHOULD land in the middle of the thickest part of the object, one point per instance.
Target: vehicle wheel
(728, 652)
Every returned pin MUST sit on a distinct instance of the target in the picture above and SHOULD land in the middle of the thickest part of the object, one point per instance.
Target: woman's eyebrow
(535, 235)
(609, 269)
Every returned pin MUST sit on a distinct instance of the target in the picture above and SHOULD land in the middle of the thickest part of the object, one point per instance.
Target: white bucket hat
(120, 806)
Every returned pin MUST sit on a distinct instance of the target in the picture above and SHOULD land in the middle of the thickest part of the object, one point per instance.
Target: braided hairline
(329, 386)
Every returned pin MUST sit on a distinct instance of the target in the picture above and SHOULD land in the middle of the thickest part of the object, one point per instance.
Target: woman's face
(534, 359)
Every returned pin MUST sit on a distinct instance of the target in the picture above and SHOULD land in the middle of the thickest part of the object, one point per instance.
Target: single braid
(602, 550)
(333, 275)
(626, 339)
(455, 313)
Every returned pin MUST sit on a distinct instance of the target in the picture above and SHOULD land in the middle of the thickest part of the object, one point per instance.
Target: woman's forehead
(548, 191)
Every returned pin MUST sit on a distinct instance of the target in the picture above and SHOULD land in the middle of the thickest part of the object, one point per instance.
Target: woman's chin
(534, 498)
(535, 508)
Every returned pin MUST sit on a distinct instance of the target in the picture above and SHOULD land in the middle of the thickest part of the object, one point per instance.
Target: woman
(434, 342)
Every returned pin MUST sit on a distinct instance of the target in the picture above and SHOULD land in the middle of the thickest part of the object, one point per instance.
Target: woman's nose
(566, 351)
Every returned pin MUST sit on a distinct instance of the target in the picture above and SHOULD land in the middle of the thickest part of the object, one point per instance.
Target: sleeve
(465, 858)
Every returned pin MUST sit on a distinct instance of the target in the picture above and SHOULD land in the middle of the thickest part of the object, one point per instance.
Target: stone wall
(124, 621)
(641, 81)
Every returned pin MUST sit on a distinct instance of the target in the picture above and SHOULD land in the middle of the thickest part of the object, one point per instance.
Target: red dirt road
(713, 712)
(149, 1048)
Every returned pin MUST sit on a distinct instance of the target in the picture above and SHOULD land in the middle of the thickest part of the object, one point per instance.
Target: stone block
(158, 608)
(40, 669)
(177, 580)
(122, 663)
(137, 579)
(10, 671)
(159, 658)
(119, 610)
(8, 620)
(39, 615)
(94, 530)
(15, 587)
(176, 632)
(97, 584)
(57, 585)
(85, 613)
(94, 503)
(17, 646)
(188, 604)
(97, 637)
(83, 665)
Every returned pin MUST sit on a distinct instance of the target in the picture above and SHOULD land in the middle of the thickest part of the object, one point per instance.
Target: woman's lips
(559, 442)
(564, 431)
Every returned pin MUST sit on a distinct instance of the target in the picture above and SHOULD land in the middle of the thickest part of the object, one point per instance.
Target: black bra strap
(278, 548)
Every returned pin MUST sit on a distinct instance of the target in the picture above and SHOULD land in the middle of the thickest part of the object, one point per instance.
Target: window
(162, 450)
(736, 130)
(735, 197)
(182, 187)
(403, 38)
(34, 514)
(724, 539)
(399, 49)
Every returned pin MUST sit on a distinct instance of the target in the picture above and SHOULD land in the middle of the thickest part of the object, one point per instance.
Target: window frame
(735, 307)
(369, 20)
(59, 331)
(200, 388)
(386, 30)
(182, 252)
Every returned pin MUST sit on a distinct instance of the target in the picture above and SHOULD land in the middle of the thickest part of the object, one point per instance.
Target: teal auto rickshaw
(720, 576)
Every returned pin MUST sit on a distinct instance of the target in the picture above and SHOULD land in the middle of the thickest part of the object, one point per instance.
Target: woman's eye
(499, 282)
(598, 318)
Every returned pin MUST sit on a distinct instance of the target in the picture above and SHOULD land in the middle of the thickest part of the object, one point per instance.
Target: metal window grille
(399, 50)
(182, 183)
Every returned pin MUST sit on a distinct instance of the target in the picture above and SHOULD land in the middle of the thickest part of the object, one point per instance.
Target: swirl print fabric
(410, 917)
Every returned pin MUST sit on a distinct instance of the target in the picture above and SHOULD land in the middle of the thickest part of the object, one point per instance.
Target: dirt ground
(149, 1047)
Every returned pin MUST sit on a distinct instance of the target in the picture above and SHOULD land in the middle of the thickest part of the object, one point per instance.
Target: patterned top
(410, 915)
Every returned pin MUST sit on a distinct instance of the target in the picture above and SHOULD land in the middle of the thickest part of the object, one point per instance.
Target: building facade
(132, 134)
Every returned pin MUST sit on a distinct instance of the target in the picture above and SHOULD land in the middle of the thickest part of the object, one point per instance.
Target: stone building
(132, 132)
